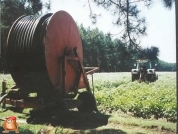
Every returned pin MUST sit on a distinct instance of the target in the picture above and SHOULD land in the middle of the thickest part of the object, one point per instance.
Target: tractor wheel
(88, 102)
(133, 77)
(152, 78)
(156, 76)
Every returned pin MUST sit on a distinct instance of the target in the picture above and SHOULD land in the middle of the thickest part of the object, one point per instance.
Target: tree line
(112, 55)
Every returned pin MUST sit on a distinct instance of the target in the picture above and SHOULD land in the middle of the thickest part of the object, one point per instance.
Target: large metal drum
(36, 46)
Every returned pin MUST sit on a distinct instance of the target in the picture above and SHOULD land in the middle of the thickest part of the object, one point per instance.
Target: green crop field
(130, 107)
(116, 92)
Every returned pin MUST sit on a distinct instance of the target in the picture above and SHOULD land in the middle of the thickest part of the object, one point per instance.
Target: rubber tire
(133, 77)
(152, 78)
(88, 102)
(156, 76)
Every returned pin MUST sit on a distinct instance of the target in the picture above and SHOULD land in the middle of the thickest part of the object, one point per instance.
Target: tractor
(144, 71)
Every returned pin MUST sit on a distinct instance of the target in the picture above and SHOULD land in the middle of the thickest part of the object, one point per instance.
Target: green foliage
(117, 92)
(112, 55)
(164, 66)
(149, 53)
(101, 50)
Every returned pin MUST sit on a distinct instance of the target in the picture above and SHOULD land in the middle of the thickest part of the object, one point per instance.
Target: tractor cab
(143, 64)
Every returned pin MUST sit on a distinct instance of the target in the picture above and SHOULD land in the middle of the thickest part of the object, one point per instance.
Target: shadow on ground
(15, 109)
(104, 131)
(69, 119)
(21, 131)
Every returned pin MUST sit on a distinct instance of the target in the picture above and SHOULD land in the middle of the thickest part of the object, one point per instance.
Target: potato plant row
(116, 92)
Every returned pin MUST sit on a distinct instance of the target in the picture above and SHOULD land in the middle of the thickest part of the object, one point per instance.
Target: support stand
(70, 58)
(3, 92)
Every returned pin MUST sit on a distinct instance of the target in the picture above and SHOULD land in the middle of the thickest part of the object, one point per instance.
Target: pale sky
(161, 30)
